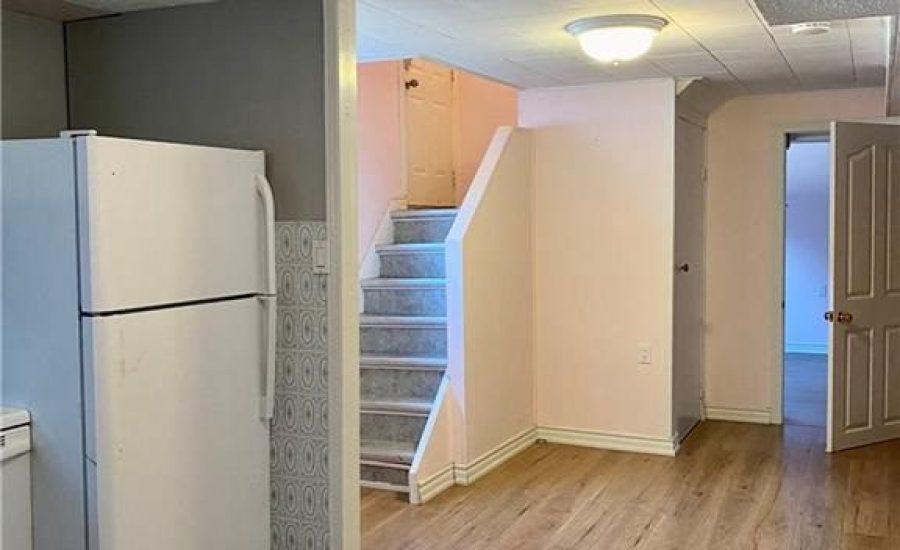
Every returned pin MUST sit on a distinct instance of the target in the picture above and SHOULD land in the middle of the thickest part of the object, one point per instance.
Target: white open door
(864, 370)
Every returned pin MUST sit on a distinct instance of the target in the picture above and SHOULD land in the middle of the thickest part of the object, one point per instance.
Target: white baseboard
(437, 483)
(464, 474)
(729, 414)
(608, 441)
(812, 349)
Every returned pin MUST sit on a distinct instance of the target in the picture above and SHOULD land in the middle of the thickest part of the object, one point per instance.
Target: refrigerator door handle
(267, 402)
(265, 193)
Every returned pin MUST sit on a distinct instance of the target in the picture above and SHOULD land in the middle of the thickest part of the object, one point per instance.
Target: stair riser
(399, 428)
(412, 265)
(405, 341)
(403, 301)
(396, 384)
(422, 231)
(379, 474)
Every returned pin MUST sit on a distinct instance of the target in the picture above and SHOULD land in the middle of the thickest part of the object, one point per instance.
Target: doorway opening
(806, 249)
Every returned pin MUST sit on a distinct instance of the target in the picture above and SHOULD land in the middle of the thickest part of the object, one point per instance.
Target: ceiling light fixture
(616, 38)
(811, 29)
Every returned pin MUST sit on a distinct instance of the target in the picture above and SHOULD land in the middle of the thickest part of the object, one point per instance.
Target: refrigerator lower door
(164, 223)
(180, 453)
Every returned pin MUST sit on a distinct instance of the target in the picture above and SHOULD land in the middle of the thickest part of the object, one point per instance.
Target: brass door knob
(838, 317)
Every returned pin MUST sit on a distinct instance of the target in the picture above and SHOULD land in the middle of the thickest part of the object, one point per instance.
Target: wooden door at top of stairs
(429, 134)
(864, 370)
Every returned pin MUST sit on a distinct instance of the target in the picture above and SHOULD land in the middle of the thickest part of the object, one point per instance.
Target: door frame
(339, 52)
(780, 141)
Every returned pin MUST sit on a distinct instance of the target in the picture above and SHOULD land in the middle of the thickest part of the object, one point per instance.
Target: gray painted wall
(34, 77)
(236, 73)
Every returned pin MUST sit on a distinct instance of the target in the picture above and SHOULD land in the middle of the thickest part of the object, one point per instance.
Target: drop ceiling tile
(701, 64)
(523, 41)
(796, 11)
(372, 49)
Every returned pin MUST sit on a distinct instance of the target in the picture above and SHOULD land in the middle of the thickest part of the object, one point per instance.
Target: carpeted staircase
(403, 345)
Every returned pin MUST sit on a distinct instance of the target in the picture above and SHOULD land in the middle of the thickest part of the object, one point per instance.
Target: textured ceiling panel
(118, 6)
(56, 10)
(70, 10)
(786, 12)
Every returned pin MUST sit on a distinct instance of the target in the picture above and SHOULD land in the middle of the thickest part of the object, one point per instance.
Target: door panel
(429, 134)
(163, 223)
(859, 225)
(892, 375)
(893, 222)
(864, 373)
(182, 457)
(687, 350)
(858, 380)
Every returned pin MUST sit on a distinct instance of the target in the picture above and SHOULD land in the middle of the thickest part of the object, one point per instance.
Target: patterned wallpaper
(299, 454)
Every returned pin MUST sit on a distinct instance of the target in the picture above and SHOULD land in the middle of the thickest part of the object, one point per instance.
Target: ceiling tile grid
(523, 43)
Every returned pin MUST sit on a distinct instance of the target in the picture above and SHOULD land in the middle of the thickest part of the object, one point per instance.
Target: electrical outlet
(645, 354)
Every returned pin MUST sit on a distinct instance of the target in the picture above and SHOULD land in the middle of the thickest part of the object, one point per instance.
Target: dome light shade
(615, 38)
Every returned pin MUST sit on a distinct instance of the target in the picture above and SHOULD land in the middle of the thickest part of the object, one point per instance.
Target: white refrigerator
(138, 329)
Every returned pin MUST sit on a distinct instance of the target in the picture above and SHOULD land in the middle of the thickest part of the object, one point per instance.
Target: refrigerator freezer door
(181, 454)
(164, 223)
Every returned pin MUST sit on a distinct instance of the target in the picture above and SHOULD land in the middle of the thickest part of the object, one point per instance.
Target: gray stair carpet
(403, 345)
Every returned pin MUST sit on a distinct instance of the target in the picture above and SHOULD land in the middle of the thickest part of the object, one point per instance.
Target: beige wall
(379, 146)
(745, 237)
(480, 107)
(34, 77)
(490, 300)
(603, 168)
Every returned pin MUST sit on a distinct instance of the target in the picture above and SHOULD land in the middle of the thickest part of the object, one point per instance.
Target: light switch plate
(320, 257)
(645, 354)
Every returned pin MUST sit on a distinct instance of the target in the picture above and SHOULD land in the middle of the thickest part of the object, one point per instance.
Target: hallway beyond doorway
(805, 389)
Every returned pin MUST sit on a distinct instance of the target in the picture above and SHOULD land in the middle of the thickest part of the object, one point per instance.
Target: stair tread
(383, 486)
(424, 213)
(387, 451)
(374, 359)
(404, 282)
(409, 406)
(410, 247)
(405, 320)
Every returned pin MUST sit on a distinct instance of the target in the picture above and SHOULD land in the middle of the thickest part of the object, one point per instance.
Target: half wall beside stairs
(489, 399)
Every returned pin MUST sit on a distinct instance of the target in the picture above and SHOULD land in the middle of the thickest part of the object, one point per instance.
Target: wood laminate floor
(732, 486)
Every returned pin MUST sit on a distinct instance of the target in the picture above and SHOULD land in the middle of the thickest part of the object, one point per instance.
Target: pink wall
(490, 296)
(380, 167)
(481, 106)
(603, 207)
